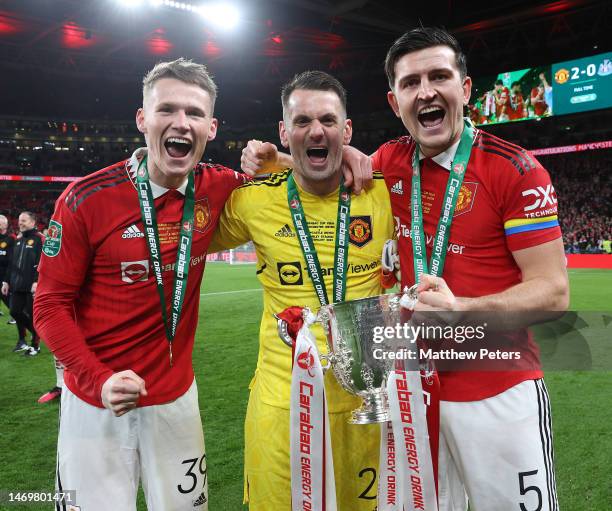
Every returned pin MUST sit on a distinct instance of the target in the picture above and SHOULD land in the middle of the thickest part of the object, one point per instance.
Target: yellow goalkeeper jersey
(258, 212)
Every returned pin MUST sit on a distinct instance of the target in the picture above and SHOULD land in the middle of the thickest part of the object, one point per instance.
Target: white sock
(59, 373)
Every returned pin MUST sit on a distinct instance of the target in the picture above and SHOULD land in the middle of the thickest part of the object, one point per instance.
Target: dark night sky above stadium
(84, 59)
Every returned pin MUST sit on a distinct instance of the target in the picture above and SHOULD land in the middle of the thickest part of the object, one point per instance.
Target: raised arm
(264, 158)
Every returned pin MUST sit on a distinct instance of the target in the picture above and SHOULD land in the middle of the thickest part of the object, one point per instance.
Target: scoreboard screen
(582, 84)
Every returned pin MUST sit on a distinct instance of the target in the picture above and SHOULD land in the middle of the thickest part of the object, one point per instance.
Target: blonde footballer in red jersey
(504, 253)
(117, 303)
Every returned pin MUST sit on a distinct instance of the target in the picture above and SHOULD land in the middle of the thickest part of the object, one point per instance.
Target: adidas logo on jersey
(285, 232)
(398, 188)
(132, 232)
(200, 501)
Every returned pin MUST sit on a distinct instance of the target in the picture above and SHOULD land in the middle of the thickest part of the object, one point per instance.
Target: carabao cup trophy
(350, 328)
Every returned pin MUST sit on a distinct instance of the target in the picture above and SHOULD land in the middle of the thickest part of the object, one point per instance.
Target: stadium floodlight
(220, 14)
(130, 3)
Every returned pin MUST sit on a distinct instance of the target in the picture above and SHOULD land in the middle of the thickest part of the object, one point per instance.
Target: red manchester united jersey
(100, 247)
(506, 203)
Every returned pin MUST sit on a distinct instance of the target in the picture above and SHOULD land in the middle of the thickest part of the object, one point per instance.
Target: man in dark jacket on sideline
(7, 240)
(21, 278)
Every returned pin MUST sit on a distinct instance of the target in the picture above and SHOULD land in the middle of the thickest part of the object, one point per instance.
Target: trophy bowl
(350, 328)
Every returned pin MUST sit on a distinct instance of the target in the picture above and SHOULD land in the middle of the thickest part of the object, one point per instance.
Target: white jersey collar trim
(156, 189)
(445, 158)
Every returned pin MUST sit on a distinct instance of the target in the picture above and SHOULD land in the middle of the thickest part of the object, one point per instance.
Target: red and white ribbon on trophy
(406, 472)
(406, 480)
(313, 486)
(407, 477)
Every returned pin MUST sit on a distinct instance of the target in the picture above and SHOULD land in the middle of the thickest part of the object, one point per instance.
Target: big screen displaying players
(582, 84)
(519, 95)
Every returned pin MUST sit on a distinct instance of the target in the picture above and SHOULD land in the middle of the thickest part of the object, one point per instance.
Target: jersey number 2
(364, 493)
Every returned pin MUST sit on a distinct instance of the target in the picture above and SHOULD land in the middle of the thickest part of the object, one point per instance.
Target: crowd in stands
(583, 180)
(40, 202)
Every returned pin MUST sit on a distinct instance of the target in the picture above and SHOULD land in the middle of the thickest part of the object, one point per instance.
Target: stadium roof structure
(60, 54)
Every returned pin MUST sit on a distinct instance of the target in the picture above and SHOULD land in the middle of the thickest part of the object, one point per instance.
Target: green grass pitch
(224, 358)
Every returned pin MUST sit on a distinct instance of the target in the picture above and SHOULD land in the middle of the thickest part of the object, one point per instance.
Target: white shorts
(103, 457)
(498, 453)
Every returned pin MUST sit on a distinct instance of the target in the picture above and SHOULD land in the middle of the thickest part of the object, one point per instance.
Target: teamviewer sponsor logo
(132, 232)
(134, 271)
(290, 274)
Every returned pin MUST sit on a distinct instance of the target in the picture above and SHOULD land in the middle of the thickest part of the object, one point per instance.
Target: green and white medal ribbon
(312, 471)
(147, 211)
(453, 186)
(407, 481)
(310, 252)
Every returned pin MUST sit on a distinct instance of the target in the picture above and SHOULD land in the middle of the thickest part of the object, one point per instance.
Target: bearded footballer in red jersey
(504, 254)
(117, 303)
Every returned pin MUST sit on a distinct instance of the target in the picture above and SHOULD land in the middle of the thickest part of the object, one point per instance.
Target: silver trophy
(350, 328)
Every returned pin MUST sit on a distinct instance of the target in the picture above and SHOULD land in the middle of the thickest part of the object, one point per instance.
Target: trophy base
(374, 410)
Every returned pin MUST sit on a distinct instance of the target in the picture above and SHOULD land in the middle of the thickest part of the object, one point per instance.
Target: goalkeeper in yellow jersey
(314, 128)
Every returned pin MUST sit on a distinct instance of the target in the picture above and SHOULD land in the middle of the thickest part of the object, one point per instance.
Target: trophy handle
(330, 359)
(409, 298)
(283, 328)
(283, 331)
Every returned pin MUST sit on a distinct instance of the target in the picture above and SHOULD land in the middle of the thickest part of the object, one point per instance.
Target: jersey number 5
(526, 489)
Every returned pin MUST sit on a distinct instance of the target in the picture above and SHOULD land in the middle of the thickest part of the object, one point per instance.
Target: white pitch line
(231, 292)
(586, 271)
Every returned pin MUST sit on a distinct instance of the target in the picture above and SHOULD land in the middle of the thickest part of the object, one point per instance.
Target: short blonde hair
(184, 70)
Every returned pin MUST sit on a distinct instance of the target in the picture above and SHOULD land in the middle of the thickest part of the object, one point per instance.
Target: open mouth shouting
(431, 116)
(317, 155)
(178, 147)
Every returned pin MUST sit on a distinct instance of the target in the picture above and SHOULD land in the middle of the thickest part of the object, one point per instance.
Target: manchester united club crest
(201, 215)
(562, 76)
(360, 230)
(187, 226)
(30, 243)
(344, 196)
(465, 201)
(294, 204)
